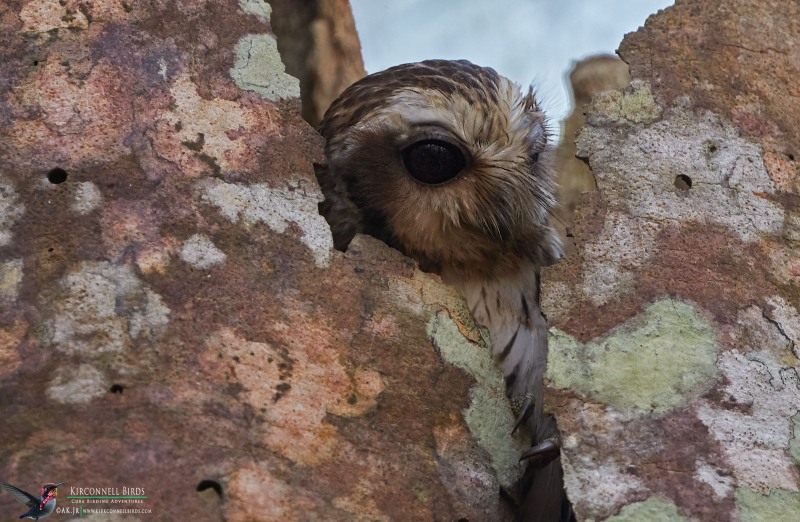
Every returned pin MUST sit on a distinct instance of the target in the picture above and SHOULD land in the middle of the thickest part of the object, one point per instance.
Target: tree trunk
(173, 316)
(673, 362)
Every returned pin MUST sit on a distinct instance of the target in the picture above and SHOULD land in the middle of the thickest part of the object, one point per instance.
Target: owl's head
(447, 161)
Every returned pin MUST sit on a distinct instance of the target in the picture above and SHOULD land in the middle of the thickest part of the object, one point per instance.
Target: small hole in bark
(683, 182)
(57, 176)
(791, 157)
(462, 520)
(117, 388)
(35, 63)
(210, 484)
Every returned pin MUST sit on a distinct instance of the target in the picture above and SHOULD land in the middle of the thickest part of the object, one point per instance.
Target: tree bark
(673, 362)
(173, 316)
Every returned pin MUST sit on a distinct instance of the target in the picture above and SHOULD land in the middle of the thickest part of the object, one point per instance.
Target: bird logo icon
(40, 507)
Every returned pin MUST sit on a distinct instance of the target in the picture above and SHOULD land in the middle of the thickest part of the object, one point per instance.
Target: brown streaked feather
(472, 82)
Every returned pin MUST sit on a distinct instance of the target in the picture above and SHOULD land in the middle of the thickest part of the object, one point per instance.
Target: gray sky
(530, 41)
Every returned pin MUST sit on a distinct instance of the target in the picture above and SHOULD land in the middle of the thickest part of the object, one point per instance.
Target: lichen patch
(11, 210)
(86, 198)
(718, 479)
(201, 253)
(259, 68)
(727, 173)
(758, 377)
(40, 17)
(655, 362)
(10, 279)
(698, 171)
(604, 484)
(489, 414)
(623, 245)
(77, 385)
(196, 133)
(761, 376)
(101, 307)
(258, 8)
(248, 485)
(776, 506)
(277, 207)
(794, 442)
(634, 104)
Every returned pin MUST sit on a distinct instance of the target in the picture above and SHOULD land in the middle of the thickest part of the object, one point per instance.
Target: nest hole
(210, 484)
(683, 182)
(57, 176)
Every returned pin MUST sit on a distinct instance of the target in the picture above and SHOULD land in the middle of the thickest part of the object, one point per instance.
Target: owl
(450, 163)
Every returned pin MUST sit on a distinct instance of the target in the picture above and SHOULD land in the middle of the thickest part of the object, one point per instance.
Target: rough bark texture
(172, 314)
(674, 343)
(319, 43)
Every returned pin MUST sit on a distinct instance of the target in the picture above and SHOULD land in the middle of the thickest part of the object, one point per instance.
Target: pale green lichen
(10, 279)
(638, 105)
(489, 416)
(259, 8)
(652, 510)
(635, 104)
(655, 362)
(779, 506)
(259, 68)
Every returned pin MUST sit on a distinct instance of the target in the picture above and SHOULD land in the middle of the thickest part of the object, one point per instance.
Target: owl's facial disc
(433, 161)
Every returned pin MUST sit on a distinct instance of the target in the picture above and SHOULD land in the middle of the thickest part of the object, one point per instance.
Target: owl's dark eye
(433, 162)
